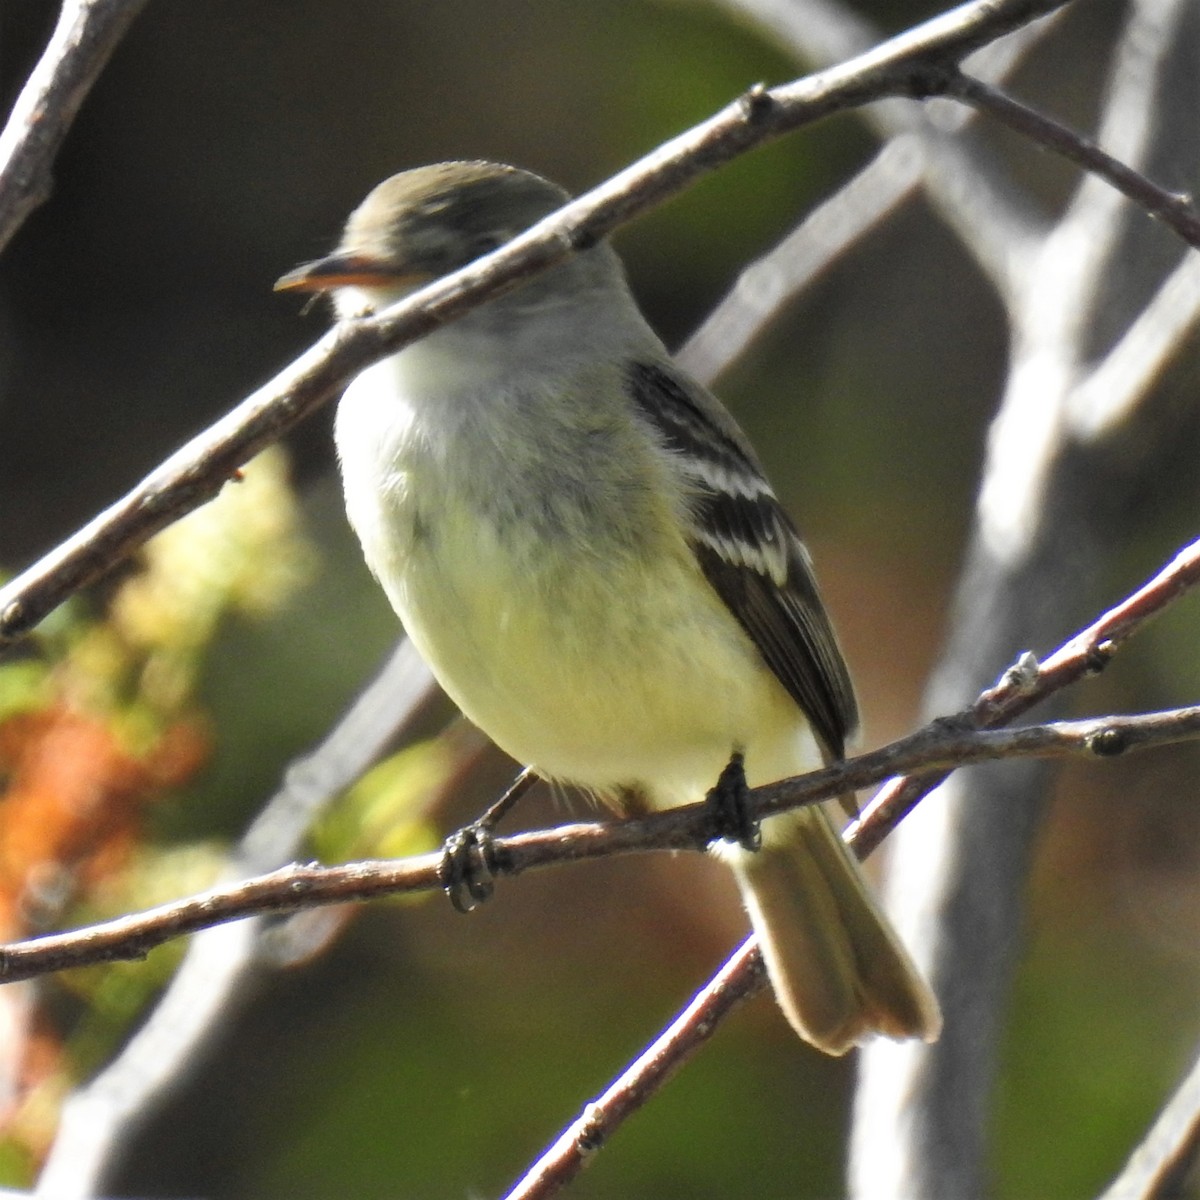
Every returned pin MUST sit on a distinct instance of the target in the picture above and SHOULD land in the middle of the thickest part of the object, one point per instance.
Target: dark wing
(749, 550)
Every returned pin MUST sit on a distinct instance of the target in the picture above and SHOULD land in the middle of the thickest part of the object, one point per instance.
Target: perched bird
(581, 542)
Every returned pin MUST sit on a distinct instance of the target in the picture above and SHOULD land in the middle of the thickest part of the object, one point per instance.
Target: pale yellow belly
(600, 676)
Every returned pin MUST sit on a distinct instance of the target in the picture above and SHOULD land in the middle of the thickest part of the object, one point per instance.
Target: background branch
(939, 746)
(1086, 355)
(1175, 210)
(87, 33)
(198, 470)
(994, 223)
(960, 866)
(98, 1121)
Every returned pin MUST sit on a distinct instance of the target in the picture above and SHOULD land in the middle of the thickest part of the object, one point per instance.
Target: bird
(583, 545)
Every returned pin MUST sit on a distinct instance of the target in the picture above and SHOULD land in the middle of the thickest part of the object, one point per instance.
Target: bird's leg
(730, 805)
(468, 868)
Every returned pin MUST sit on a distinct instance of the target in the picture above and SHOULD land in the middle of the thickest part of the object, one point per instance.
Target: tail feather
(837, 966)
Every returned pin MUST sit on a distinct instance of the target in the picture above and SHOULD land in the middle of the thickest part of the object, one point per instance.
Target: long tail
(836, 964)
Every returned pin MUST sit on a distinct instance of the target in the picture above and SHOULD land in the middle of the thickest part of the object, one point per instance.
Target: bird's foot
(729, 802)
(469, 863)
(468, 867)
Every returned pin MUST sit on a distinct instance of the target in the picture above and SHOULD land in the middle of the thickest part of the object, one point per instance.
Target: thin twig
(996, 225)
(944, 745)
(901, 66)
(210, 982)
(1174, 209)
(83, 40)
(740, 979)
(1026, 685)
(743, 972)
(828, 231)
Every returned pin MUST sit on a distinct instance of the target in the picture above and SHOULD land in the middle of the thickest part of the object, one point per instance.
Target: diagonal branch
(211, 981)
(942, 746)
(1173, 209)
(739, 980)
(829, 230)
(83, 40)
(905, 65)
(1106, 398)
(1029, 683)
(1158, 1168)
(995, 225)
(927, 756)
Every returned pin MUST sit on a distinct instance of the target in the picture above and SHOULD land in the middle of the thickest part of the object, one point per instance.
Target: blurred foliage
(380, 816)
(98, 723)
(424, 1054)
(1091, 1044)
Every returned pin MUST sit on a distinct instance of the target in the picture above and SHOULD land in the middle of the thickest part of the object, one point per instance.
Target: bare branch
(769, 282)
(1025, 685)
(996, 226)
(943, 746)
(1176, 211)
(739, 980)
(86, 35)
(919, 151)
(1109, 394)
(96, 1120)
(901, 66)
(1130, 119)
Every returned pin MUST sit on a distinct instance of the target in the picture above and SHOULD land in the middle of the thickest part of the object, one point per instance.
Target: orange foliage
(71, 802)
(71, 809)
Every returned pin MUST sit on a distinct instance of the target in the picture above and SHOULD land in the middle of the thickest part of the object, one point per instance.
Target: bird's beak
(344, 270)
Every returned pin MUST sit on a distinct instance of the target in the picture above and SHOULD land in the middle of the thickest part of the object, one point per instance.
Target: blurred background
(426, 1054)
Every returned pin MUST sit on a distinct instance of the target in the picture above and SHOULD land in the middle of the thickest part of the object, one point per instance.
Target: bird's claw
(469, 863)
(729, 802)
(468, 867)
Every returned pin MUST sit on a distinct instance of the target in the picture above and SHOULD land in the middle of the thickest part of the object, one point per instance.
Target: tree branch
(1029, 682)
(1158, 1168)
(1174, 209)
(902, 66)
(1087, 652)
(995, 225)
(739, 980)
(943, 745)
(83, 40)
(211, 981)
